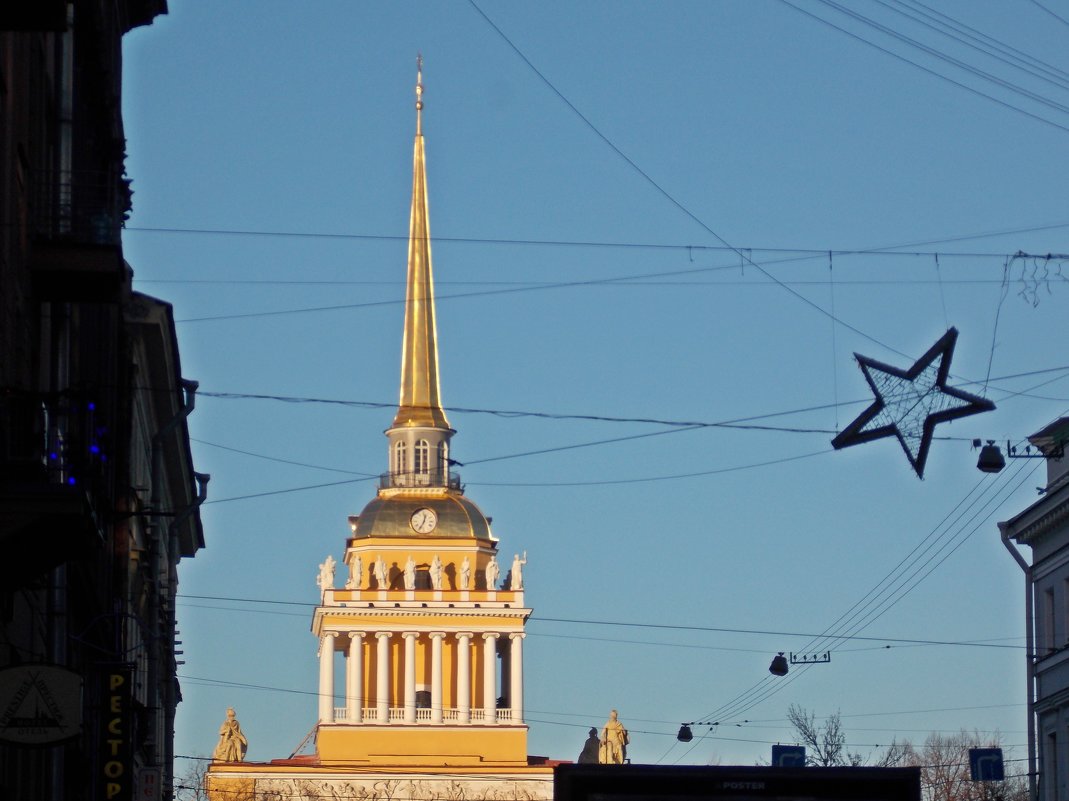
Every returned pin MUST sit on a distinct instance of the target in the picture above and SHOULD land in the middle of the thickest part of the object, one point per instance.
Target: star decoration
(911, 403)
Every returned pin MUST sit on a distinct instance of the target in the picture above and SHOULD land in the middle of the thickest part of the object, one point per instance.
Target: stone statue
(614, 741)
(493, 571)
(517, 571)
(591, 748)
(356, 569)
(232, 743)
(436, 573)
(465, 574)
(410, 573)
(326, 574)
(380, 573)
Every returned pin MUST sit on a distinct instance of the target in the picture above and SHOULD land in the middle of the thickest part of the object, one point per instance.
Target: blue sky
(691, 211)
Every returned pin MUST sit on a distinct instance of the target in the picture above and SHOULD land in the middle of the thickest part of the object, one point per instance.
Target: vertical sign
(115, 773)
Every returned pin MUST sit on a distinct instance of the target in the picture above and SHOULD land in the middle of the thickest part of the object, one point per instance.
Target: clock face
(424, 520)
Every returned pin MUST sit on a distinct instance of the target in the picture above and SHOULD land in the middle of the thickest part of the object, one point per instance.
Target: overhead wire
(743, 256)
(932, 72)
(978, 35)
(768, 686)
(946, 58)
(888, 250)
(957, 34)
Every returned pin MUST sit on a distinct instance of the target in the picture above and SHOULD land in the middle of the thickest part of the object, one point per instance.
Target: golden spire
(420, 402)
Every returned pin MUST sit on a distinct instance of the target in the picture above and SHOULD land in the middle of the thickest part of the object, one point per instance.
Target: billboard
(689, 783)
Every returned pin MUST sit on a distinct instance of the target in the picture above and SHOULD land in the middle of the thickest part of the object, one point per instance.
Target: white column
(490, 677)
(516, 676)
(326, 677)
(436, 676)
(464, 676)
(410, 676)
(382, 689)
(354, 678)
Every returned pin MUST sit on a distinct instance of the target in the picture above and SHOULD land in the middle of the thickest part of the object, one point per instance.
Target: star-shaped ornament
(911, 403)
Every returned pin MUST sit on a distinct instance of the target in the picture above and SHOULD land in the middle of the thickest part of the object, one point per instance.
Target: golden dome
(391, 516)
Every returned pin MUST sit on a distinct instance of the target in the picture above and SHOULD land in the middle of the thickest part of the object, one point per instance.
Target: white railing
(450, 716)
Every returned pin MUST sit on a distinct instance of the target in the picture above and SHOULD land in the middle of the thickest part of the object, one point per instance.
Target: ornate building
(432, 636)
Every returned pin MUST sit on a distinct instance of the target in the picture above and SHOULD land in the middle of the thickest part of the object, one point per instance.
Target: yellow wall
(422, 745)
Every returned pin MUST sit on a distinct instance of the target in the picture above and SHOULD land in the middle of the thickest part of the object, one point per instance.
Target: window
(399, 458)
(443, 456)
(1048, 620)
(421, 457)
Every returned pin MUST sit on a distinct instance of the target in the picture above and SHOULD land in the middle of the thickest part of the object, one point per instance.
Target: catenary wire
(928, 70)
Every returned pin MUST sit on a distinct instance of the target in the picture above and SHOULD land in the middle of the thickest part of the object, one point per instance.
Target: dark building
(98, 496)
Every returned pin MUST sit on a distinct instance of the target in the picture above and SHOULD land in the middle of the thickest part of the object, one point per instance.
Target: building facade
(98, 495)
(429, 617)
(1044, 527)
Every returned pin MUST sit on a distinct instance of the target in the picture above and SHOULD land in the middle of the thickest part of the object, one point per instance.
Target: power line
(614, 245)
(999, 52)
(941, 56)
(768, 686)
(928, 70)
(534, 618)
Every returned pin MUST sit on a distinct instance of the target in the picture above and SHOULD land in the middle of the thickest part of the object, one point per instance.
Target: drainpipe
(1030, 662)
(162, 576)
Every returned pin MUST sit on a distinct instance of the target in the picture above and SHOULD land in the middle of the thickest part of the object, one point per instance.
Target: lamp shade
(991, 459)
(779, 665)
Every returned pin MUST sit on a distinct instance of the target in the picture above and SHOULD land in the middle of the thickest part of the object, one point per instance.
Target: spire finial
(419, 94)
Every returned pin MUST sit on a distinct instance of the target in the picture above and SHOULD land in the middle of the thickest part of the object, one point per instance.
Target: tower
(432, 641)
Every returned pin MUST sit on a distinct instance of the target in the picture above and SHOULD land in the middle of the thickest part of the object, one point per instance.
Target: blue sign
(985, 764)
(788, 756)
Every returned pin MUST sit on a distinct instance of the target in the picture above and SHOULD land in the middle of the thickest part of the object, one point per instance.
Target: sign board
(39, 705)
(985, 765)
(573, 782)
(788, 756)
(115, 771)
(148, 784)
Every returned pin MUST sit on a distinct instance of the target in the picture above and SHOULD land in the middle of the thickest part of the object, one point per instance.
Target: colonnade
(467, 711)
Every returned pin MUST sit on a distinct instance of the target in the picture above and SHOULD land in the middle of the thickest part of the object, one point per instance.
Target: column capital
(465, 634)
(409, 634)
(440, 635)
(382, 635)
(517, 635)
(490, 635)
(357, 634)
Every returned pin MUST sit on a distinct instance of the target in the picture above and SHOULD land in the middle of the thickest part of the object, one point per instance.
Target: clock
(423, 521)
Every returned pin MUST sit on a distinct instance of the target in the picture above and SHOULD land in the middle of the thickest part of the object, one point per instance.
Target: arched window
(422, 457)
(400, 458)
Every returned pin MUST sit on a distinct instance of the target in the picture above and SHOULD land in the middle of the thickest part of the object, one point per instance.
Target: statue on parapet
(436, 572)
(325, 581)
(614, 741)
(493, 573)
(356, 567)
(232, 743)
(516, 583)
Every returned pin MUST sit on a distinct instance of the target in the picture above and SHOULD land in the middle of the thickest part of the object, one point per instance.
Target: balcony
(48, 485)
(432, 478)
(76, 219)
(450, 717)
